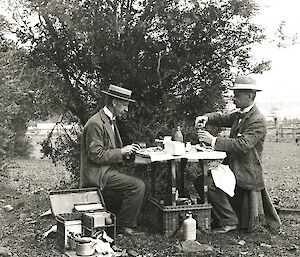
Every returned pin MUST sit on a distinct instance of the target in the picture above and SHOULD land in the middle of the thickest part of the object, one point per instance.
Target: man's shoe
(225, 229)
(129, 231)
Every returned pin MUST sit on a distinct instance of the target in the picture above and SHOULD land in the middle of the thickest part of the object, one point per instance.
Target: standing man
(103, 155)
(250, 207)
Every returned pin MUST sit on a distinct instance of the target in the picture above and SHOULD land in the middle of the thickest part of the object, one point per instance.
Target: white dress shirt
(110, 116)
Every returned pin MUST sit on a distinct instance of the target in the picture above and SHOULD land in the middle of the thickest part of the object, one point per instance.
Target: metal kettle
(85, 248)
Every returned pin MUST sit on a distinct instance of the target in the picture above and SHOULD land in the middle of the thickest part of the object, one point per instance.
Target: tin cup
(143, 145)
(188, 146)
(167, 139)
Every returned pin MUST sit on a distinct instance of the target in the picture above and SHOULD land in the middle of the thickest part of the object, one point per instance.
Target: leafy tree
(17, 102)
(12, 120)
(177, 58)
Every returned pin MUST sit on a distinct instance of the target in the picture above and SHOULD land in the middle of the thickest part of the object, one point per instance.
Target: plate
(149, 150)
(202, 148)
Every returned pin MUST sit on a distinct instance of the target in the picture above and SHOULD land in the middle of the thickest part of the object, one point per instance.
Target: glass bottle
(178, 136)
(189, 227)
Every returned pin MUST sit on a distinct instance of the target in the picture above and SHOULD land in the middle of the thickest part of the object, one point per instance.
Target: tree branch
(158, 68)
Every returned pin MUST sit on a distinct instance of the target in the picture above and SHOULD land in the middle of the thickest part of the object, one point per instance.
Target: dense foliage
(20, 98)
(12, 104)
(177, 58)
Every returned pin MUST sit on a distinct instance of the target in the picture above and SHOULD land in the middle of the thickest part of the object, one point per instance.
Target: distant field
(281, 161)
(282, 171)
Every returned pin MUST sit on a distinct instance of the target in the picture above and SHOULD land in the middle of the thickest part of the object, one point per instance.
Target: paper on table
(224, 179)
(160, 156)
(209, 155)
(155, 154)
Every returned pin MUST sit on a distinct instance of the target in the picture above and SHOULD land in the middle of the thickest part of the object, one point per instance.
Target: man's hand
(205, 136)
(201, 121)
(130, 149)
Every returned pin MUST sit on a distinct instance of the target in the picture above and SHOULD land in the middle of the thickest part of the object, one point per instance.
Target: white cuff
(213, 143)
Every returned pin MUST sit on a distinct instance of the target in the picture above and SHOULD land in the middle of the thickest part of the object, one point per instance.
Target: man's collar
(108, 113)
(247, 109)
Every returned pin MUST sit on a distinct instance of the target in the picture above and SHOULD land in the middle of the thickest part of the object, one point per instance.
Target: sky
(281, 86)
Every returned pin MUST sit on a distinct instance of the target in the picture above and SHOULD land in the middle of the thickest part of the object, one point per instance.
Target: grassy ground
(28, 184)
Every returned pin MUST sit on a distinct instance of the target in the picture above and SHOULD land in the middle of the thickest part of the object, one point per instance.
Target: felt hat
(119, 92)
(245, 83)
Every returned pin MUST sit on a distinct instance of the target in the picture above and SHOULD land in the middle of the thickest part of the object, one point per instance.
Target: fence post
(294, 132)
(276, 128)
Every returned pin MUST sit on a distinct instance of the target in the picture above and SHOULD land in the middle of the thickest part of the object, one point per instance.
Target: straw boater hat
(245, 83)
(119, 92)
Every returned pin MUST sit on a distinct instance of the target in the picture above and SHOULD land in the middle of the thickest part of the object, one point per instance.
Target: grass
(29, 182)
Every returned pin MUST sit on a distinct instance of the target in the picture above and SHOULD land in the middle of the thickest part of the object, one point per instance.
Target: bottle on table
(178, 136)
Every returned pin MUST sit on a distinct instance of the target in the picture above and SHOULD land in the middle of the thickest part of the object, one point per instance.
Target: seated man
(250, 206)
(103, 155)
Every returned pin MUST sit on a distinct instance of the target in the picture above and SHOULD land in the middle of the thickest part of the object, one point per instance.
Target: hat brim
(117, 96)
(245, 87)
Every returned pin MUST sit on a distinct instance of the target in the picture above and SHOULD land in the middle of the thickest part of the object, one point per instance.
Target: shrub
(64, 147)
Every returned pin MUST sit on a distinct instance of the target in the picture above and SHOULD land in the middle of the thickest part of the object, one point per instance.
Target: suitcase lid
(76, 200)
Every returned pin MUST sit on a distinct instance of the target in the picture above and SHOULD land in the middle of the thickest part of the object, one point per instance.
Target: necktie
(240, 116)
(113, 123)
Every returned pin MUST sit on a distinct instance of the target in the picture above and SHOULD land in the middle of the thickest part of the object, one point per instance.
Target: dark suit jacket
(244, 146)
(100, 150)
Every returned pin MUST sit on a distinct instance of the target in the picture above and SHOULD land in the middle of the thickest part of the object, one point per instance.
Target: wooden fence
(287, 130)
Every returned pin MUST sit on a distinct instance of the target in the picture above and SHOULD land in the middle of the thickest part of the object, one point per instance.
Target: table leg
(183, 163)
(153, 170)
(173, 182)
(204, 168)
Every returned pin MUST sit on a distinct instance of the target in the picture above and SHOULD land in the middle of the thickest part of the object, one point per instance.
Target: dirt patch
(27, 188)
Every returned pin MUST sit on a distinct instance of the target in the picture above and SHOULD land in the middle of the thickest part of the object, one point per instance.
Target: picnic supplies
(71, 207)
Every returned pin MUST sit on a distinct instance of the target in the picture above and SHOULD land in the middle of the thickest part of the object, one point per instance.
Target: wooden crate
(168, 219)
(69, 222)
(93, 222)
